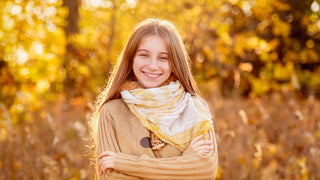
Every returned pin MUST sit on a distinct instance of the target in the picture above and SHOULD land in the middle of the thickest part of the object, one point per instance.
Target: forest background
(257, 63)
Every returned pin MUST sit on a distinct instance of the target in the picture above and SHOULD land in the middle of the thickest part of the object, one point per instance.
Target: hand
(106, 161)
(198, 146)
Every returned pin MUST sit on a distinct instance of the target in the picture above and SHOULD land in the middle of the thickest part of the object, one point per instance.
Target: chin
(151, 85)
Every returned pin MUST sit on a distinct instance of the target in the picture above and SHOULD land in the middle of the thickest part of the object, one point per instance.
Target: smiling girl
(150, 121)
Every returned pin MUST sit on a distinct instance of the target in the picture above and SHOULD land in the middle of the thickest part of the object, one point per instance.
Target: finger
(202, 142)
(101, 170)
(104, 153)
(102, 162)
(100, 166)
(105, 163)
(104, 168)
(205, 151)
(196, 139)
(204, 147)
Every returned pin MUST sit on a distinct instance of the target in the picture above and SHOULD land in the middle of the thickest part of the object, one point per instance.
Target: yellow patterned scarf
(170, 113)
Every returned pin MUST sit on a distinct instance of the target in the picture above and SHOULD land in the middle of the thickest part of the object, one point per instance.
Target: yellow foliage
(303, 168)
(3, 136)
(242, 159)
(283, 72)
(281, 28)
(260, 86)
(42, 85)
(272, 148)
(317, 134)
(219, 173)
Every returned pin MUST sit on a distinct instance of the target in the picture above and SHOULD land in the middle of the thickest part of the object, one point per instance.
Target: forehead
(154, 42)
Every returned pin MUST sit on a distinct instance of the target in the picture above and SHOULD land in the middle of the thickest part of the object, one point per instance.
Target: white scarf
(172, 114)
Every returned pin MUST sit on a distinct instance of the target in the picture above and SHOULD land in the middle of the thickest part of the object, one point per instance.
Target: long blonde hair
(178, 60)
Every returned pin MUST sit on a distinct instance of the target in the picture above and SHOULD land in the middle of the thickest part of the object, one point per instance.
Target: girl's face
(150, 63)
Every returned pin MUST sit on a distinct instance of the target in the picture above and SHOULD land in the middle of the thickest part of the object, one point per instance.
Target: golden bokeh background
(257, 63)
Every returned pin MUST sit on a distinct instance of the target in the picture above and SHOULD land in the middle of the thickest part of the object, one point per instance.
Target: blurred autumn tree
(70, 59)
(31, 54)
(57, 53)
(251, 47)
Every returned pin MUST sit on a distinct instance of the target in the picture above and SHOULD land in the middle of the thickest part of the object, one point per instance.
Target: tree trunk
(69, 84)
(112, 35)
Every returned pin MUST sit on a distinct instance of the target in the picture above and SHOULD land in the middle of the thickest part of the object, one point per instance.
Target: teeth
(152, 75)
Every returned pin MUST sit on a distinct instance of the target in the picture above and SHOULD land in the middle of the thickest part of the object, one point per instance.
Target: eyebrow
(148, 51)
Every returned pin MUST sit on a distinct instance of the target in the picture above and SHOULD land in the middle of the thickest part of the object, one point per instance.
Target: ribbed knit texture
(120, 131)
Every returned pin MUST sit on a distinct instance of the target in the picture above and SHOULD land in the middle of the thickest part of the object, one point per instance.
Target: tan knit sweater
(120, 131)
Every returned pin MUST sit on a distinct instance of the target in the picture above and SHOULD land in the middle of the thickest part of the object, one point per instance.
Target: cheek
(168, 68)
(135, 65)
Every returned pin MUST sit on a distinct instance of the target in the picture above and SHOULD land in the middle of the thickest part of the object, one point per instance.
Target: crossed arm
(198, 161)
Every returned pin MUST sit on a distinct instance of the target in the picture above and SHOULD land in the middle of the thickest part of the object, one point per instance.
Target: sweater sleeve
(191, 166)
(107, 141)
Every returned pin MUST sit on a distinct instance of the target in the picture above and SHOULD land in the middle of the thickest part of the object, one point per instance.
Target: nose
(153, 63)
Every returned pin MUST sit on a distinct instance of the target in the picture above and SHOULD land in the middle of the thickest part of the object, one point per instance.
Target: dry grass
(275, 137)
(52, 146)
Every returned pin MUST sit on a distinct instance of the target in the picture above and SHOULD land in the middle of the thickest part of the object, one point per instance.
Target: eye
(143, 54)
(164, 58)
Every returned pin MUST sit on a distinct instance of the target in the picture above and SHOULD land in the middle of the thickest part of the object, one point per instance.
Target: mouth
(150, 75)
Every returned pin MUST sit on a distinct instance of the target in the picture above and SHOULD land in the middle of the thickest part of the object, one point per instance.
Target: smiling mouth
(151, 75)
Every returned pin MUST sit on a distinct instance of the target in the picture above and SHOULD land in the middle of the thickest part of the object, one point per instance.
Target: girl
(151, 122)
